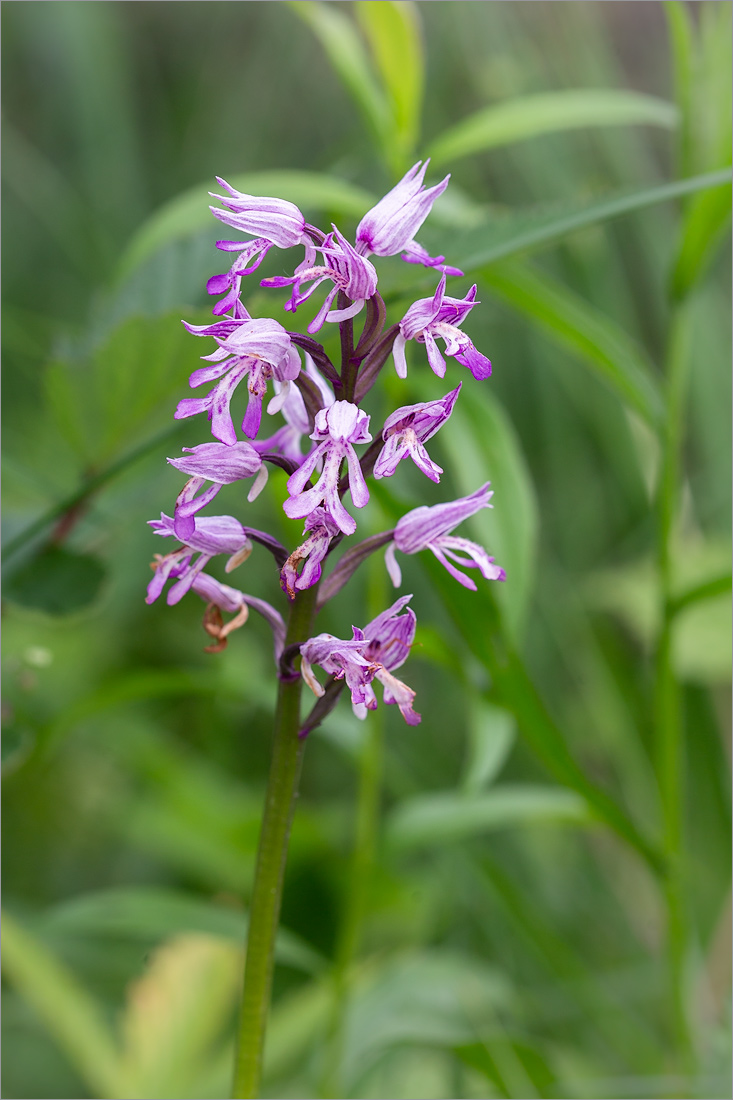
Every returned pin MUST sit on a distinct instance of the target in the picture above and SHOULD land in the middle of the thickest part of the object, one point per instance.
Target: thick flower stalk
(321, 436)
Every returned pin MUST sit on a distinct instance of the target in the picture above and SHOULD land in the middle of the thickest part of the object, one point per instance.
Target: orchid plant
(324, 422)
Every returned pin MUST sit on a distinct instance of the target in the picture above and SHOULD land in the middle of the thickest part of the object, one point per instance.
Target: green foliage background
(528, 894)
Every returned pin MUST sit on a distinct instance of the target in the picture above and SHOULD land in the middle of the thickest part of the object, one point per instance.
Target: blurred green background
(528, 894)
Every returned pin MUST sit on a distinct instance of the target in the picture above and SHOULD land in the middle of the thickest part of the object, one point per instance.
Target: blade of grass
(575, 324)
(344, 49)
(70, 1014)
(393, 33)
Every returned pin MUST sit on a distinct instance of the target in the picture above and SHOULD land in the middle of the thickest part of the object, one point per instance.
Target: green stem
(362, 863)
(282, 790)
(669, 731)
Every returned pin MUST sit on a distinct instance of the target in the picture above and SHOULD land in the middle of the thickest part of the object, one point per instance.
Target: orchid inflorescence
(316, 400)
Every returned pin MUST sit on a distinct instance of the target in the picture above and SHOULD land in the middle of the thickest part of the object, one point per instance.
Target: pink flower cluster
(321, 404)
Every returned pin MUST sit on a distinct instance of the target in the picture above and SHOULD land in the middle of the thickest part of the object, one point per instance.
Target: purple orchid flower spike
(259, 348)
(221, 465)
(320, 528)
(337, 429)
(390, 226)
(349, 272)
(383, 645)
(213, 535)
(428, 529)
(407, 429)
(440, 316)
(221, 597)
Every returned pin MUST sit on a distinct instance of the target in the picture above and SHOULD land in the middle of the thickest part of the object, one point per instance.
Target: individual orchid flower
(258, 348)
(350, 273)
(272, 222)
(440, 316)
(389, 639)
(407, 429)
(320, 528)
(390, 226)
(428, 529)
(275, 220)
(221, 597)
(364, 658)
(337, 429)
(213, 535)
(221, 465)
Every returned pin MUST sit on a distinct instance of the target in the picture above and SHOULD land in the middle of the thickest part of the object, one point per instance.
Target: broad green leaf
(152, 912)
(393, 32)
(124, 389)
(189, 212)
(511, 234)
(492, 732)
(175, 1012)
(56, 580)
(483, 446)
(436, 819)
(549, 112)
(69, 1013)
(344, 49)
(435, 998)
(620, 361)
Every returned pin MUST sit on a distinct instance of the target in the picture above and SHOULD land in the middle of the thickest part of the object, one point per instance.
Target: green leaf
(513, 233)
(70, 1014)
(705, 227)
(575, 324)
(156, 912)
(125, 389)
(344, 49)
(679, 25)
(448, 817)
(479, 620)
(189, 212)
(57, 581)
(514, 689)
(434, 998)
(393, 33)
(701, 631)
(549, 112)
(492, 733)
(175, 1013)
